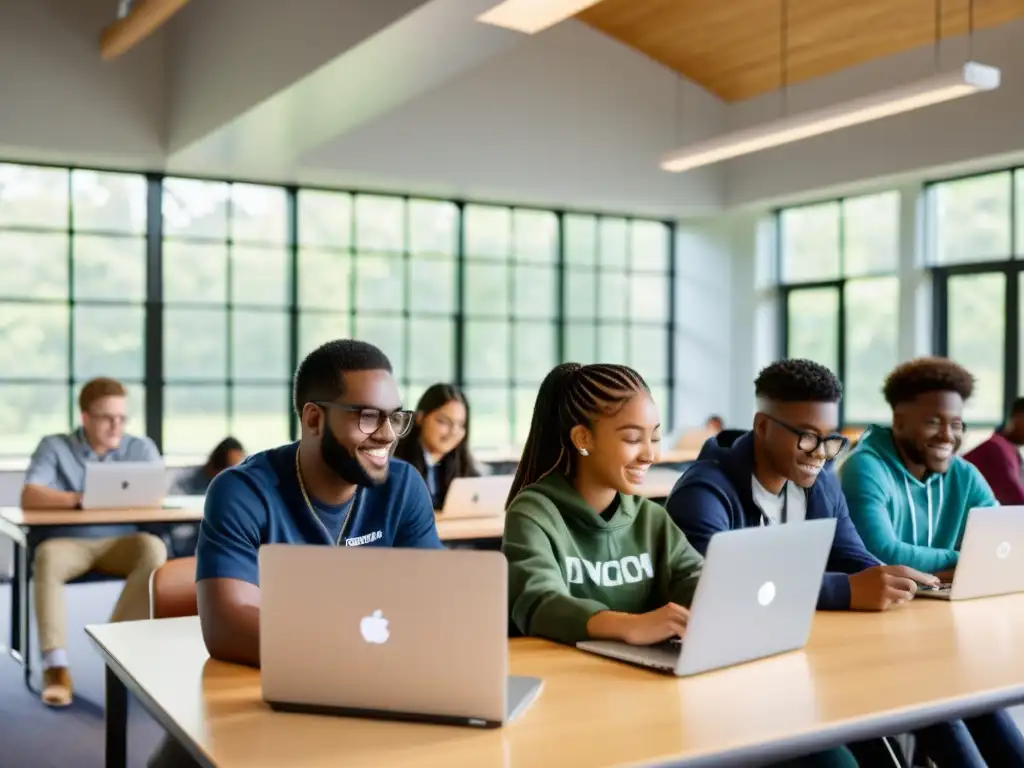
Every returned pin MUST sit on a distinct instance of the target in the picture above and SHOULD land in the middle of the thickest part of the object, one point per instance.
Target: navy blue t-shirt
(259, 502)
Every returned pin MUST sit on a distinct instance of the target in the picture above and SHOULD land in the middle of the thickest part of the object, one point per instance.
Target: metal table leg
(117, 722)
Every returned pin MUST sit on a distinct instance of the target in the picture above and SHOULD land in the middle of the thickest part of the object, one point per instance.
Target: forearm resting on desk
(41, 497)
(229, 613)
(610, 625)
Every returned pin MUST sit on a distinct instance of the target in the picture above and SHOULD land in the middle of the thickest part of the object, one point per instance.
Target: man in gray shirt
(54, 480)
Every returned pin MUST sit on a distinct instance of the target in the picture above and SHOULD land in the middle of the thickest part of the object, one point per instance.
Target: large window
(840, 293)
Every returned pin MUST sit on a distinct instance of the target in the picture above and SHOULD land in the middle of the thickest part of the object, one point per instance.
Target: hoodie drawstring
(931, 514)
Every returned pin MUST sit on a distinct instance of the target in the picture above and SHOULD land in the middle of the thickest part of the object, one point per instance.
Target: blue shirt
(259, 502)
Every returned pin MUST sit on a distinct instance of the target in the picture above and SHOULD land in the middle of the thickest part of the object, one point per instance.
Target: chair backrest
(172, 589)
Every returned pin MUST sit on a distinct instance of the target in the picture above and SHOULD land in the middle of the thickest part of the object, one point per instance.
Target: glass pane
(813, 328)
(487, 351)
(325, 218)
(872, 326)
(648, 351)
(317, 328)
(976, 334)
(580, 294)
(380, 282)
(259, 214)
(612, 344)
(195, 419)
(536, 236)
(661, 397)
(260, 415)
(388, 333)
(433, 227)
(522, 415)
(109, 341)
(260, 276)
(324, 280)
(536, 351)
(971, 219)
(580, 240)
(613, 297)
(34, 266)
(536, 291)
(195, 344)
(810, 243)
(33, 341)
(110, 268)
(581, 343)
(431, 349)
(33, 197)
(109, 202)
(195, 273)
(28, 412)
(614, 243)
(412, 392)
(380, 223)
(491, 427)
(259, 346)
(195, 208)
(433, 283)
(649, 297)
(487, 288)
(650, 241)
(488, 231)
(871, 233)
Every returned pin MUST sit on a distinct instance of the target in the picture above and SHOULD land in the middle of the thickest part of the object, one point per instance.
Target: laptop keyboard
(661, 656)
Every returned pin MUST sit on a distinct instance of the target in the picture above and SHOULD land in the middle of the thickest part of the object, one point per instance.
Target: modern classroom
(197, 194)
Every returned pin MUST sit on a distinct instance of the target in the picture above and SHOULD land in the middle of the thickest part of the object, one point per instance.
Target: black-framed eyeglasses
(372, 419)
(808, 442)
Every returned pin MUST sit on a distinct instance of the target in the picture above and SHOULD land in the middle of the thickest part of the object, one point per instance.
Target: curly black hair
(926, 374)
(798, 381)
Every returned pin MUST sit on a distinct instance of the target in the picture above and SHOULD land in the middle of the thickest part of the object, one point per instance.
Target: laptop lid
(477, 496)
(124, 485)
(991, 553)
(407, 633)
(757, 594)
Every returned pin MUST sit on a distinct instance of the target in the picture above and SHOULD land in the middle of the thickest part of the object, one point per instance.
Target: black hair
(1017, 407)
(926, 374)
(798, 381)
(218, 459)
(319, 376)
(457, 462)
(570, 395)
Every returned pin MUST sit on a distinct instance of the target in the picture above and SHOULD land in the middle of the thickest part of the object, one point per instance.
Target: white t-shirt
(789, 506)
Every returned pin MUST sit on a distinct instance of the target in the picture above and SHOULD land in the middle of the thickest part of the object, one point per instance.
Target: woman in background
(438, 443)
(228, 453)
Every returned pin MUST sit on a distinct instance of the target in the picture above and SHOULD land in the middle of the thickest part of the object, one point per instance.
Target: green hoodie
(567, 563)
(903, 520)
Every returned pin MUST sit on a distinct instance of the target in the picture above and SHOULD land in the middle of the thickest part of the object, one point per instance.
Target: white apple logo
(766, 593)
(374, 628)
(1003, 550)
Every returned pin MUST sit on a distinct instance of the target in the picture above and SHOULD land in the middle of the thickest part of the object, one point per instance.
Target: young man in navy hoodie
(779, 473)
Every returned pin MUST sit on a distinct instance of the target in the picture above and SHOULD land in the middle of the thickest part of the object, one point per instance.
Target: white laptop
(991, 556)
(756, 597)
(124, 485)
(398, 634)
(477, 496)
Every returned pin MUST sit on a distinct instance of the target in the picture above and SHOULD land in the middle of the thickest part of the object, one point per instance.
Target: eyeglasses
(372, 419)
(111, 419)
(936, 425)
(808, 442)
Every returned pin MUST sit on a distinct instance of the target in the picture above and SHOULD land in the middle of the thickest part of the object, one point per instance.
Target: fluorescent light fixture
(532, 16)
(971, 78)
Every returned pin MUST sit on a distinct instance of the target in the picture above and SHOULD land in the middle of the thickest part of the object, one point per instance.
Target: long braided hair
(570, 395)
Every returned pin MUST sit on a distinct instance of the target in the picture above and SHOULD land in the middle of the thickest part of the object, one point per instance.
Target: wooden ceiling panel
(733, 47)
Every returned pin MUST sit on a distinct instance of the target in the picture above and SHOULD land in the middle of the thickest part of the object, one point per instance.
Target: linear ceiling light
(532, 16)
(971, 78)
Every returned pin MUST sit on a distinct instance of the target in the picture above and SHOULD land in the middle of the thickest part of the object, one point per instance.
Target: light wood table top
(861, 675)
(182, 509)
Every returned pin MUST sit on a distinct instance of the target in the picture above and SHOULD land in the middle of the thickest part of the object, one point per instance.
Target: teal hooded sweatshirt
(903, 520)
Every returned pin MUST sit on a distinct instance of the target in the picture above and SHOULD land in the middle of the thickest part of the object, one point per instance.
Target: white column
(915, 315)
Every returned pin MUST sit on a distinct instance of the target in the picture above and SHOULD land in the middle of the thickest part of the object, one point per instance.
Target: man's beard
(342, 463)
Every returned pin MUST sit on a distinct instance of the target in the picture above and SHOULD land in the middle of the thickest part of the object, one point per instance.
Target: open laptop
(756, 597)
(991, 556)
(477, 496)
(398, 634)
(124, 485)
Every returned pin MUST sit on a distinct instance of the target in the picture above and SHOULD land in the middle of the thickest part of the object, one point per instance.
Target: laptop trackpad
(521, 693)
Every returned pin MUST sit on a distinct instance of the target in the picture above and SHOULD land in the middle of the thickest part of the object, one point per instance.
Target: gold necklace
(312, 511)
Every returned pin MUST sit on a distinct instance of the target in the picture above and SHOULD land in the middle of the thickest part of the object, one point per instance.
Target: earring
(583, 452)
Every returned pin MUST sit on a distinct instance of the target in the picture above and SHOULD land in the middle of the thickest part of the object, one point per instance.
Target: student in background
(437, 446)
(228, 453)
(998, 458)
(54, 480)
(909, 495)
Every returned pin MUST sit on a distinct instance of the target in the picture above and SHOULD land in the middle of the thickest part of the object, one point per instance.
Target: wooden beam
(143, 20)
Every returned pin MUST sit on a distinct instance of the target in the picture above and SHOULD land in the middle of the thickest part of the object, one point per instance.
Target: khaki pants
(58, 561)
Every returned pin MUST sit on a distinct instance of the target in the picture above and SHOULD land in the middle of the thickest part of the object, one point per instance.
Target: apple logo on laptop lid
(124, 485)
(374, 628)
(1003, 550)
(766, 593)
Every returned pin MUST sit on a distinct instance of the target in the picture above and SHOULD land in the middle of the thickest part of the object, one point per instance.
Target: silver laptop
(398, 634)
(124, 485)
(991, 556)
(756, 597)
(477, 496)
